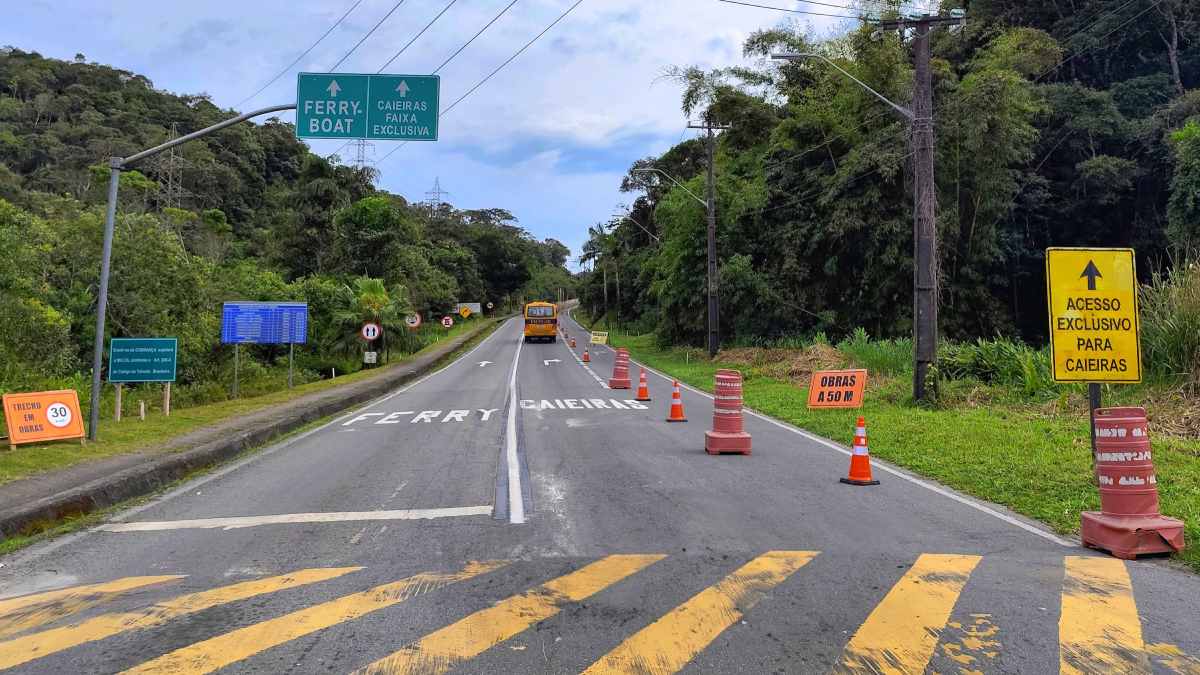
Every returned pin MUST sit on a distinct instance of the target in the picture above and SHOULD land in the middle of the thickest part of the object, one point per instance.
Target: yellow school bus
(541, 321)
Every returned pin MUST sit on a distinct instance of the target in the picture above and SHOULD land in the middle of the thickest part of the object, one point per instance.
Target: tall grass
(1000, 361)
(883, 357)
(1170, 323)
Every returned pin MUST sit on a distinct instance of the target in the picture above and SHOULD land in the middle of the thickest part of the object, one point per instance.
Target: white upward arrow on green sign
(333, 89)
(402, 88)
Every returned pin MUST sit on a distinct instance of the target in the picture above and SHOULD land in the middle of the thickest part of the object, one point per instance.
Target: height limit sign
(375, 107)
(1093, 315)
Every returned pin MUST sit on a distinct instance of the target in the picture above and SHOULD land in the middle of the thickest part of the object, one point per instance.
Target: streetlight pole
(925, 256)
(116, 166)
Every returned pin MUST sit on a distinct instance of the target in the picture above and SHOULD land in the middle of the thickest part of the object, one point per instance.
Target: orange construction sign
(837, 389)
(41, 416)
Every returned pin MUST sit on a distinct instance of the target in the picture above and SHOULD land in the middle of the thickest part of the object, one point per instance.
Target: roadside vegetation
(247, 213)
(132, 435)
(999, 428)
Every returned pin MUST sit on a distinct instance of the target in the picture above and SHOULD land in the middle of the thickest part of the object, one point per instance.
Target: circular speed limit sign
(370, 331)
(58, 414)
(413, 321)
(448, 321)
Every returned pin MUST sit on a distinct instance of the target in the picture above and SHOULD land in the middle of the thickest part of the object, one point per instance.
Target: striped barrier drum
(1129, 522)
(728, 434)
(620, 376)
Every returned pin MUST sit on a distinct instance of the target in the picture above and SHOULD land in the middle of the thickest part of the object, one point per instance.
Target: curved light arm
(630, 218)
(677, 183)
(908, 114)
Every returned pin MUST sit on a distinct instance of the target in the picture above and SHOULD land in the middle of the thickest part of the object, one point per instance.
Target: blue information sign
(264, 323)
(142, 359)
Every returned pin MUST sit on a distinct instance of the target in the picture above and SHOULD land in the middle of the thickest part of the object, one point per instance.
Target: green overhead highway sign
(375, 107)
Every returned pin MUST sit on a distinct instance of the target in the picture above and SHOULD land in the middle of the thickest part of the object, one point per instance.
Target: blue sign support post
(270, 323)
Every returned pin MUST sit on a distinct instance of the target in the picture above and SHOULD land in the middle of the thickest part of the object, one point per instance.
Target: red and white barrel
(1129, 522)
(620, 377)
(728, 434)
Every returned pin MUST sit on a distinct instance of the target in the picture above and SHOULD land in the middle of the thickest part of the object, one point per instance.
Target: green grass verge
(1034, 461)
(132, 435)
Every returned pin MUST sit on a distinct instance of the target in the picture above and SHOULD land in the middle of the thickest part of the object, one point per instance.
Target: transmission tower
(435, 197)
(170, 167)
(361, 148)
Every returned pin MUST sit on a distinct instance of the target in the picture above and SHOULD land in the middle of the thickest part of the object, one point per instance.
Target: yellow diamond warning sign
(1093, 315)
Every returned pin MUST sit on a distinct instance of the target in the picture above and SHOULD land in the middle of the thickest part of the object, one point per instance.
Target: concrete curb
(145, 478)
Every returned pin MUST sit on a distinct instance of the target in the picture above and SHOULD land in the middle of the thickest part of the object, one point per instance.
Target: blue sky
(548, 138)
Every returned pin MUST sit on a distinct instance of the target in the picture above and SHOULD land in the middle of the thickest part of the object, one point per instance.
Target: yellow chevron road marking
(901, 634)
(30, 611)
(25, 649)
(1099, 630)
(220, 651)
(667, 645)
(441, 650)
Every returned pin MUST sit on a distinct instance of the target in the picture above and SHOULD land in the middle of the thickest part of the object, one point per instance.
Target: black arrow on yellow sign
(1092, 274)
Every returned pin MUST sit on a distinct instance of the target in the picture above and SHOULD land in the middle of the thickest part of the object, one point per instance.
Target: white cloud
(592, 84)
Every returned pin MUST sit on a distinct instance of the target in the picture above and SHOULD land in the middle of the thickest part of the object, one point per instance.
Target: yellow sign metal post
(1093, 296)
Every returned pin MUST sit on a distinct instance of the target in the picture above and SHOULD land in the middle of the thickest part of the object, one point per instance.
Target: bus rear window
(539, 311)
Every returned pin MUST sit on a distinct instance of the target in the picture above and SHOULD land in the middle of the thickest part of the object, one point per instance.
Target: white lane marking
(585, 366)
(485, 364)
(38, 550)
(516, 503)
(546, 362)
(240, 522)
(582, 404)
(882, 466)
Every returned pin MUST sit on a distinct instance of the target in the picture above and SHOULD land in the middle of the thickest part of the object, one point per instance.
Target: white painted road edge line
(1032, 529)
(588, 368)
(516, 503)
(240, 522)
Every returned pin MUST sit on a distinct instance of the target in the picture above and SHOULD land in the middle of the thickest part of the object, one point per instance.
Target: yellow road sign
(1093, 315)
(464, 312)
(599, 337)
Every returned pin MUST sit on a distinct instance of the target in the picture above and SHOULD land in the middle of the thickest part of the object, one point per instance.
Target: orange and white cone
(860, 461)
(586, 357)
(676, 406)
(643, 392)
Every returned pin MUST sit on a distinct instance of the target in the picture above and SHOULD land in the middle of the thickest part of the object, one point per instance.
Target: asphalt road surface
(511, 514)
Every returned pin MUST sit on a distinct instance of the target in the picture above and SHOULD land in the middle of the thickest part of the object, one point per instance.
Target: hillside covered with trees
(247, 213)
(1056, 123)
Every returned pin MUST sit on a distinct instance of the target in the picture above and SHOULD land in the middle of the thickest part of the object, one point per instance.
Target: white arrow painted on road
(333, 88)
(549, 361)
(402, 89)
(483, 364)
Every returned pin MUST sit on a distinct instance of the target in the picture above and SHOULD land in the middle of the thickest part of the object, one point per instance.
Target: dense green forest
(1057, 124)
(247, 213)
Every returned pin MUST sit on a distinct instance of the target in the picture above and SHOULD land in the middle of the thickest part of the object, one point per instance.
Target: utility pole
(925, 246)
(714, 304)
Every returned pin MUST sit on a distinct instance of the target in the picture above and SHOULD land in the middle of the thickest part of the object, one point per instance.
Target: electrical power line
(801, 197)
(369, 34)
(791, 11)
(444, 64)
(414, 38)
(477, 34)
(302, 55)
(492, 74)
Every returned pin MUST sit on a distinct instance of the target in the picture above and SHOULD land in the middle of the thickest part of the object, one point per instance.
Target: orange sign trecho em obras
(837, 389)
(40, 416)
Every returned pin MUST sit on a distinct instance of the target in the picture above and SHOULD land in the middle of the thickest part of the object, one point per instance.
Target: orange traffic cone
(586, 358)
(676, 406)
(643, 393)
(860, 461)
